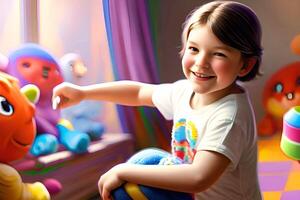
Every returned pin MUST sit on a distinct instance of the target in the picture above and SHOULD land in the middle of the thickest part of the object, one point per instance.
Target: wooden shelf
(78, 174)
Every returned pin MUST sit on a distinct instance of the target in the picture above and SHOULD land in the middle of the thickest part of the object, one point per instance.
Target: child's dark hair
(235, 24)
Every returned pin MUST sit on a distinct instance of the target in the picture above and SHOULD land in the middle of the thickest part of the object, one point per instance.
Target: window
(78, 26)
(70, 26)
(10, 36)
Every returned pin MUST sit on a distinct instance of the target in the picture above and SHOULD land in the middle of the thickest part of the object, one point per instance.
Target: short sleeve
(225, 137)
(168, 98)
(162, 99)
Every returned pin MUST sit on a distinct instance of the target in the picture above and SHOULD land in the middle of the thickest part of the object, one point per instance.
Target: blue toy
(84, 115)
(44, 144)
(151, 156)
(74, 140)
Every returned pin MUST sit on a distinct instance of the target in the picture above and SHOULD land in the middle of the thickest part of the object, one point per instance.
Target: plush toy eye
(26, 64)
(5, 107)
(278, 87)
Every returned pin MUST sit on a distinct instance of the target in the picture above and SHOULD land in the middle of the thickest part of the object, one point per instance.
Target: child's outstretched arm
(129, 93)
(206, 168)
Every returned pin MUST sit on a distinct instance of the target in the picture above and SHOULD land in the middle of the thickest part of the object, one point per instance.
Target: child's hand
(66, 94)
(109, 181)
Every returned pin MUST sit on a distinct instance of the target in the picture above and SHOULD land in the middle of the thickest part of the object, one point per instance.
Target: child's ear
(248, 66)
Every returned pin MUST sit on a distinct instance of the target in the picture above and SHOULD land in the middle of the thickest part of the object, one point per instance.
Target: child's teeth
(201, 75)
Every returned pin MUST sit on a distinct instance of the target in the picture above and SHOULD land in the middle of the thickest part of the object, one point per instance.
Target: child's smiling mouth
(202, 76)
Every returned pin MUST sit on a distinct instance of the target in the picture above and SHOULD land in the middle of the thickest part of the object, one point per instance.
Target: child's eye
(220, 54)
(194, 49)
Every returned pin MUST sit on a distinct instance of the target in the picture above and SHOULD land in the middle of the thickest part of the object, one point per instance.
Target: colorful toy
(137, 192)
(290, 140)
(32, 64)
(84, 115)
(17, 134)
(281, 93)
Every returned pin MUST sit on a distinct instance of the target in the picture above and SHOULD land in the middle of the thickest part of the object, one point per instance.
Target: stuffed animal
(17, 134)
(150, 156)
(281, 93)
(32, 64)
(84, 115)
(290, 140)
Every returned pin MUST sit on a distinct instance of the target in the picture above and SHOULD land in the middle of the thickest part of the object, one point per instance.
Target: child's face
(210, 65)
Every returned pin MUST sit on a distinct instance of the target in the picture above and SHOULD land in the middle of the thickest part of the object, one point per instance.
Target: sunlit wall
(10, 36)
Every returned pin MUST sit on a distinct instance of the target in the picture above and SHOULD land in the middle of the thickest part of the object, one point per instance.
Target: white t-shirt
(226, 126)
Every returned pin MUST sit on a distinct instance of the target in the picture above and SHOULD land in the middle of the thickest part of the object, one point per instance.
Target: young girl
(220, 45)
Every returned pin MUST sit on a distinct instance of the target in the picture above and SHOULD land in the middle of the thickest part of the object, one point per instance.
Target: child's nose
(201, 60)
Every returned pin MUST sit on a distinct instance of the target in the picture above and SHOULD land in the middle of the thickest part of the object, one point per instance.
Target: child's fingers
(100, 187)
(58, 98)
(55, 102)
(105, 195)
(60, 102)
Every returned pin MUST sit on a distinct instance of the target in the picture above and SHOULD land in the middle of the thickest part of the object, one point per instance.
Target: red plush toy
(281, 92)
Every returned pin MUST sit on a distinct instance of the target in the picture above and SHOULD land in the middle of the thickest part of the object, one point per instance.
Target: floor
(279, 176)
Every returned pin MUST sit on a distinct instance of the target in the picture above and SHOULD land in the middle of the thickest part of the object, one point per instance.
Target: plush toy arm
(37, 191)
(12, 187)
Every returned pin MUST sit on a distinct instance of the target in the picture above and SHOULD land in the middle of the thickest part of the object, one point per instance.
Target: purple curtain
(133, 58)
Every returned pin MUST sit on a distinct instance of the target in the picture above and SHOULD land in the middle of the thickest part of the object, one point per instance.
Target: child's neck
(198, 101)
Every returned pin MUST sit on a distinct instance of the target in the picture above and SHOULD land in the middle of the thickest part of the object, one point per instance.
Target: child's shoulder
(182, 83)
(179, 87)
(230, 106)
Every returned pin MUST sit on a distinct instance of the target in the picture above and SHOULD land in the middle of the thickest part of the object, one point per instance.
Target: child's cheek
(221, 67)
(187, 61)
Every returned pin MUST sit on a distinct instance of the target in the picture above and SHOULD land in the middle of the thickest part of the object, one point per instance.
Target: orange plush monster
(17, 131)
(16, 119)
(281, 92)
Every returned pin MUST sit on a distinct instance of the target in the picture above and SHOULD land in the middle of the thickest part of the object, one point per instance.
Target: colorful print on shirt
(184, 138)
